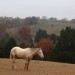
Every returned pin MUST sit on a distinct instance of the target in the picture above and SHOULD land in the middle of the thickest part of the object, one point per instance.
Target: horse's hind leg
(28, 66)
(13, 63)
(25, 64)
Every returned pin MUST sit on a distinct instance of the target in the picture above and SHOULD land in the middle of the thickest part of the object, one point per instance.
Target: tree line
(10, 21)
(55, 48)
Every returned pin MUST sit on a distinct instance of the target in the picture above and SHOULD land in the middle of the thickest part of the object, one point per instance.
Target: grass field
(36, 68)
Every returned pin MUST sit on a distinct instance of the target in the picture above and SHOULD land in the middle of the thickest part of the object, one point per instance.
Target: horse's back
(23, 52)
(14, 48)
(20, 52)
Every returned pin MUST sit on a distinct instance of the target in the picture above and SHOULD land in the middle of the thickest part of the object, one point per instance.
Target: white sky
(50, 8)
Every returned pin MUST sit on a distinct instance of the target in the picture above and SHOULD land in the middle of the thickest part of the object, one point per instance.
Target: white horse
(26, 53)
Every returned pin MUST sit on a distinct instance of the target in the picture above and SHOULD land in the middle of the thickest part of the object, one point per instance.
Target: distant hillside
(51, 28)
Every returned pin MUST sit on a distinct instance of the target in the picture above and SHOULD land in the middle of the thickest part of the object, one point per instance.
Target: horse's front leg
(27, 64)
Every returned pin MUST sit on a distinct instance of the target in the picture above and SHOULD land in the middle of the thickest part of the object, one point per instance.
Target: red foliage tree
(24, 35)
(47, 46)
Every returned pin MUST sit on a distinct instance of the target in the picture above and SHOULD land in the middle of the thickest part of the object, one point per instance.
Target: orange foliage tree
(47, 46)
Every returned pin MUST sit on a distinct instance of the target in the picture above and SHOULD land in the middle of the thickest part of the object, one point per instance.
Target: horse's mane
(34, 49)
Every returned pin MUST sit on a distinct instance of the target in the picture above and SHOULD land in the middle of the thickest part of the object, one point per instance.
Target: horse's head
(40, 53)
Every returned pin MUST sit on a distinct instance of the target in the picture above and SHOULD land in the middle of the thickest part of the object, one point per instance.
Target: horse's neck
(34, 52)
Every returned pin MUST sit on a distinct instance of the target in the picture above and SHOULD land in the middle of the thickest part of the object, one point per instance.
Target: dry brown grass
(36, 68)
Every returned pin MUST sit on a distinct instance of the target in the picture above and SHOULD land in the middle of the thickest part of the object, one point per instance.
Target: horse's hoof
(27, 70)
(14, 68)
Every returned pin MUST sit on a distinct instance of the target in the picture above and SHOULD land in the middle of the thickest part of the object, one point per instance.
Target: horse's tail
(10, 55)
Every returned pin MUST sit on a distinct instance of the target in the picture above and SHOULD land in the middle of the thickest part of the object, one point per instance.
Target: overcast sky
(50, 8)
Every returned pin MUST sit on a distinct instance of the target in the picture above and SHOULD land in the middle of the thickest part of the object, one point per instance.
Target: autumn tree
(47, 46)
(24, 35)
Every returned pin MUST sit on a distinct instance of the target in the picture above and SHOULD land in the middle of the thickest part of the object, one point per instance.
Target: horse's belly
(20, 55)
(23, 53)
